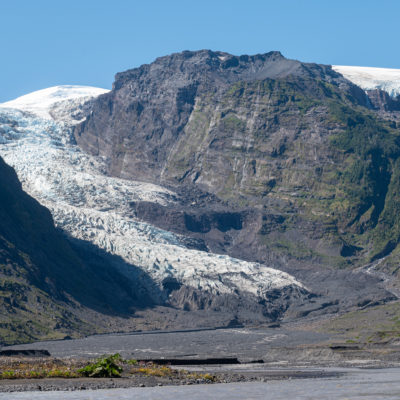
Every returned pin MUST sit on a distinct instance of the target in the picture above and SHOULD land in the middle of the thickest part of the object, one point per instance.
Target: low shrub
(106, 367)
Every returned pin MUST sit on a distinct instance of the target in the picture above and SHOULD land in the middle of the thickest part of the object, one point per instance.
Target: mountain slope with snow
(265, 193)
(369, 78)
(43, 103)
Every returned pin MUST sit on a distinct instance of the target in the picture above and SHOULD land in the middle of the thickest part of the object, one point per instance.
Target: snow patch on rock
(42, 102)
(369, 78)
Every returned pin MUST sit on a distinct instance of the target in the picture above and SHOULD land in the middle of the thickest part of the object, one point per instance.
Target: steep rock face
(381, 100)
(146, 114)
(295, 147)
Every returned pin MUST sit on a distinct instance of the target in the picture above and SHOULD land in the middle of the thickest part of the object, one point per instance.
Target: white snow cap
(41, 101)
(369, 78)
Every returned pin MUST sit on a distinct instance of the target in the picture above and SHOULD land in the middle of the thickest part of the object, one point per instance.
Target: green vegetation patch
(377, 324)
(369, 183)
(106, 367)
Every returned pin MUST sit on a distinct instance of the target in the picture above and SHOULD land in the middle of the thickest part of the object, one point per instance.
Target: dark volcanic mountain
(277, 161)
(142, 123)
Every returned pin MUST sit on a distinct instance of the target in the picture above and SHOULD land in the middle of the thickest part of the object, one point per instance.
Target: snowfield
(91, 206)
(42, 102)
(369, 78)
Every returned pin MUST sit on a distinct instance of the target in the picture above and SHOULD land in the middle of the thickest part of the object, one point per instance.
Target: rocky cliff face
(151, 108)
(301, 169)
(380, 100)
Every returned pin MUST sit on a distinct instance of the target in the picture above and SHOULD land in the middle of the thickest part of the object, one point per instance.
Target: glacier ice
(42, 102)
(369, 78)
(87, 204)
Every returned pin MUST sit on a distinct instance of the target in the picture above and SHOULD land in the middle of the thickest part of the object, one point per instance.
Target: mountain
(224, 189)
(299, 168)
(151, 108)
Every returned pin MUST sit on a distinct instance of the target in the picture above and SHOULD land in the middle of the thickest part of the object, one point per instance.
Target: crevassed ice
(369, 78)
(91, 206)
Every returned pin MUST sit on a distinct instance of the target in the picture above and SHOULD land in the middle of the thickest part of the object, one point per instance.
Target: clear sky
(51, 42)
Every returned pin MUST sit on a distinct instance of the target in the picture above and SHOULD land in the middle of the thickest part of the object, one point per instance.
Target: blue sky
(45, 43)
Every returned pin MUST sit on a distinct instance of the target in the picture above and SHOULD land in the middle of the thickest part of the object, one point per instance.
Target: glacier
(369, 78)
(36, 139)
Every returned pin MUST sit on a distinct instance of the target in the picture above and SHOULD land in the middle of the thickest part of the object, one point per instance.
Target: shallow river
(379, 384)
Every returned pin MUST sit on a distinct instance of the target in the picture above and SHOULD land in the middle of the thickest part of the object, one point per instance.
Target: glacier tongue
(94, 207)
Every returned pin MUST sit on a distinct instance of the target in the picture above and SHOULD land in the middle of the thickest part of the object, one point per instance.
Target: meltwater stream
(368, 384)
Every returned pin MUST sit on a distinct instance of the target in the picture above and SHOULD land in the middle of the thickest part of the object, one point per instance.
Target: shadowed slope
(46, 287)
